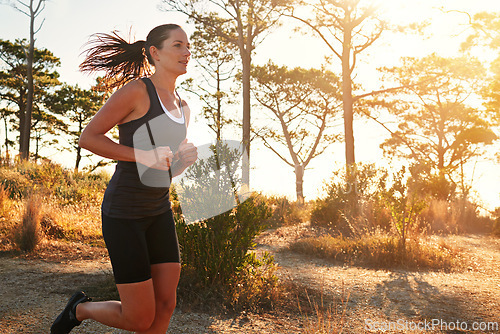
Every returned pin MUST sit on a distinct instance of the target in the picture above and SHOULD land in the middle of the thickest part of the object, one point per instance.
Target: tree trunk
(78, 148)
(22, 116)
(26, 126)
(219, 106)
(347, 104)
(37, 145)
(246, 63)
(78, 158)
(6, 141)
(347, 100)
(299, 176)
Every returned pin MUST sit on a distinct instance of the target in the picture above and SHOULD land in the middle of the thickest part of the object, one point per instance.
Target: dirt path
(388, 296)
(33, 291)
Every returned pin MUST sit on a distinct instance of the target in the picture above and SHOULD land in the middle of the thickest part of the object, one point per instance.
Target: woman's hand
(185, 156)
(158, 158)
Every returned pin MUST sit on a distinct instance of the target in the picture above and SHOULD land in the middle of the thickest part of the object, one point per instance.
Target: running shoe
(66, 321)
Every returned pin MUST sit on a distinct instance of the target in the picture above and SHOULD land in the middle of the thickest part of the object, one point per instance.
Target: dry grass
(4, 199)
(48, 219)
(327, 317)
(29, 234)
(380, 250)
(68, 208)
(72, 222)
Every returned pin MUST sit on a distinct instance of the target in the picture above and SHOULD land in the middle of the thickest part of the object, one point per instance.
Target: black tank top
(136, 191)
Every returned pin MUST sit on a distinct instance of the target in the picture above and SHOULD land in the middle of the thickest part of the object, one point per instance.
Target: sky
(68, 25)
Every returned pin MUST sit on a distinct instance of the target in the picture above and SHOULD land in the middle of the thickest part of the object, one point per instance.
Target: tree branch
(332, 48)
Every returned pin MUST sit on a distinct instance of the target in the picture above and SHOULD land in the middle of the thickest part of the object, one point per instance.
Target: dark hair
(123, 61)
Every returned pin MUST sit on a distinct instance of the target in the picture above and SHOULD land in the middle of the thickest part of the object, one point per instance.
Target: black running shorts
(135, 244)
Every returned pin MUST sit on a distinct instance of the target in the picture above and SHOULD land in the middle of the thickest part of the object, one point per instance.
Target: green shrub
(17, 184)
(216, 254)
(217, 247)
(329, 212)
(67, 186)
(254, 285)
(284, 212)
(339, 213)
(216, 251)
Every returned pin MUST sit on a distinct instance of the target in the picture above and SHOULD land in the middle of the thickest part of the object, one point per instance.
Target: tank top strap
(151, 90)
(180, 104)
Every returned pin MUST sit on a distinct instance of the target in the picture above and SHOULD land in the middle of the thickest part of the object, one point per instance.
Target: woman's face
(174, 54)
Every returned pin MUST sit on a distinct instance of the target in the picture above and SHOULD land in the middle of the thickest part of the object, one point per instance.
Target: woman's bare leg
(165, 280)
(135, 311)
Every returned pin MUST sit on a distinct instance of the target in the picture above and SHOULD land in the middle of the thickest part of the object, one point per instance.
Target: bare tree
(242, 24)
(302, 104)
(32, 9)
(348, 28)
(217, 65)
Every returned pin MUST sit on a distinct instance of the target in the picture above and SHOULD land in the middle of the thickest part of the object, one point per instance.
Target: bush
(52, 179)
(337, 212)
(215, 255)
(496, 224)
(255, 284)
(456, 216)
(328, 212)
(380, 250)
(496, 227)
(17, 184)
(284, 212)
(82, 187)
(29, 234)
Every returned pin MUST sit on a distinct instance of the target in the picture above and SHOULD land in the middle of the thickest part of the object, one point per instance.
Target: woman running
(137, 220)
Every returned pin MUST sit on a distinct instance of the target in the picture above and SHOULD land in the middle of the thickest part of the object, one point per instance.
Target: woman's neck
(164, 82)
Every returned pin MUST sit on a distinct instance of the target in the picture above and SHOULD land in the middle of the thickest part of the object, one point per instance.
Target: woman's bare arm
(131, 97)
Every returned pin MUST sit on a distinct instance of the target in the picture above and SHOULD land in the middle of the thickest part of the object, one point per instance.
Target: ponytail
(121, 60)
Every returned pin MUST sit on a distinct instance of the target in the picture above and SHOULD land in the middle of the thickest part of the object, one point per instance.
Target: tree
(79, 106)
(6, 116)
(437, 124)
(32, 10)
(486, 33)
(45, 128)
(13, 78)
(242, 24)
(303, 103)
(217, 63)
(348, 28)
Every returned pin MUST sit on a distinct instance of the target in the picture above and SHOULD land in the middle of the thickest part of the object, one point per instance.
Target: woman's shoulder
(131, 96)
(132, 91)
(134, 86)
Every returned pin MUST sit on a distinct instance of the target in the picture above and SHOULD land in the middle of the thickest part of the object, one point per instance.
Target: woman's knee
(140, 321)
(137, 305)
(167, 305)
